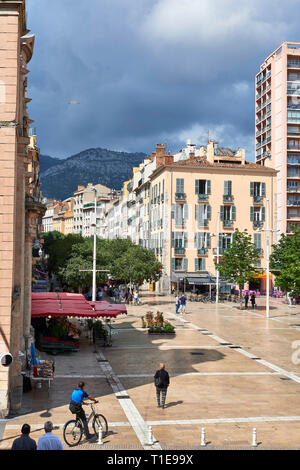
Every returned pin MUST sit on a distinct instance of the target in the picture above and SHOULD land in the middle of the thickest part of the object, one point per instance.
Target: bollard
(203, 443)
(100, 442)
(254, 443)
(150, 436)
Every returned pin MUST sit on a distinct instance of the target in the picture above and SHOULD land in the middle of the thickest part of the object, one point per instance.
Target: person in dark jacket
(246, 298)
(252, 298)
(162, 381)
(24, 442)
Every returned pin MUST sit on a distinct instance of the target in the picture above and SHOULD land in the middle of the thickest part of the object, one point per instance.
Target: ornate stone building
(20, 206)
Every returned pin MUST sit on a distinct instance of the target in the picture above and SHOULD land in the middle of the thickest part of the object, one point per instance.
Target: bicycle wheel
(73, 432)
(100, 419)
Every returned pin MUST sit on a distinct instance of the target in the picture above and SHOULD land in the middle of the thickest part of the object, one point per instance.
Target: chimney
(210, 151)
(160, 150)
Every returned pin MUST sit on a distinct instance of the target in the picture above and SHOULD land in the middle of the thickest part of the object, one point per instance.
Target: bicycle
(73, 429)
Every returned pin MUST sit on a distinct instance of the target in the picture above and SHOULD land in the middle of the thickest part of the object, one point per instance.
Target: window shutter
(173, 207)
(185, 240)
(208, 240)
(197, 186)
(263, 214)
(208, 187)
(196, 264)
(252, 213)
(263, 189)
(221, 212)
(173, 264)
(185, 263)
(185, 212)
(226, 188)
(257, 240)
(196, 240)
(197, 212)
(252, 188)
(172, 240)
(208, 212)
(233, 213)
(179, 185)
(178, 215)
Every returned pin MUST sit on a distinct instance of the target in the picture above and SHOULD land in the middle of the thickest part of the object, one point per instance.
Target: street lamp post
(218, 255)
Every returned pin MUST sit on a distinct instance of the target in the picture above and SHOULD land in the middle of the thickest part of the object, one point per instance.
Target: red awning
(64, 304)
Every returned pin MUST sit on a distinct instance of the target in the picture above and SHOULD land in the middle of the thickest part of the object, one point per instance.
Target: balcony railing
(293, 203)
(227, 223)
(257, 199)
(293, 146)
(201, 251)
(293, 64)
(202, 197)
(179, 250)
(293, 189)
(257, 223)
(180, 196)
(227, 198)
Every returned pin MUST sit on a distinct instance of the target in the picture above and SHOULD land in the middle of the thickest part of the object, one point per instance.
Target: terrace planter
(161, 332)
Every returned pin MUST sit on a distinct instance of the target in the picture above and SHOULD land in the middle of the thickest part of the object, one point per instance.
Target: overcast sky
(150, 71)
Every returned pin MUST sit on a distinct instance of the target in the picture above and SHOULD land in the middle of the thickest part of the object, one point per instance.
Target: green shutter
(252, 213)
(208, 187)
(197, 212)
(208, 240)
(257, 240)
(179, 185)
(186, 211)
(172, 240)
(196, 264)
(233, 213)
(173, 207)
(173, 264)
(197, 186)
(185, 239)
(252, 188)
(263, 214)
(226, 188)
(185, 264)
(263, 189)
(196, 240)
(208, 213)
(221, 212)
(203, 263)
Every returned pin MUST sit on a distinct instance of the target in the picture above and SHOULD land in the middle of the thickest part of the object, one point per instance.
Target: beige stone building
(20, 206)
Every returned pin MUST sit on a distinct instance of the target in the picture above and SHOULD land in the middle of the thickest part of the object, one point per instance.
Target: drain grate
(285, 378)
(226, 344)
(123, 397)
(102, 360)
(235, 347)
(197, 354)
(256, 358)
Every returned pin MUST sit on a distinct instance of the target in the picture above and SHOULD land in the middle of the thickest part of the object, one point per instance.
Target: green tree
(285, 262)
(59, 247)
(239, 260)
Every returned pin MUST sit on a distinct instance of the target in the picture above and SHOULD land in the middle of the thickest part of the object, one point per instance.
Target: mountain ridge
(60, 177)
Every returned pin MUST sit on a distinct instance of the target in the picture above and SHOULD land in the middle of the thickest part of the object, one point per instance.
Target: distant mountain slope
(94, 165)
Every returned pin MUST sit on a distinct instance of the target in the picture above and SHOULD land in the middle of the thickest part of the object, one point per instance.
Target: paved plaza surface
(230, 371)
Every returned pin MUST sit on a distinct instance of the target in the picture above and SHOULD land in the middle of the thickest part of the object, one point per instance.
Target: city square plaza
(230, 371)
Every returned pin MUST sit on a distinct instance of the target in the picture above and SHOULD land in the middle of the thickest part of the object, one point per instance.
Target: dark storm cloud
(149, 71)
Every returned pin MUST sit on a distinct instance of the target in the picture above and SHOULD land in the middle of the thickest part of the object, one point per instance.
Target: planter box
(161, 332)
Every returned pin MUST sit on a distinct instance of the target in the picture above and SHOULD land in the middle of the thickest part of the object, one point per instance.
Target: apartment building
(178, 200)
(277, 129)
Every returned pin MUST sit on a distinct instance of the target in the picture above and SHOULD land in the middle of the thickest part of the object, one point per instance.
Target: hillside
(60, 178)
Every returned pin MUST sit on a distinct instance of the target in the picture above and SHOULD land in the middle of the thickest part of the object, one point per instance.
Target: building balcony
(293, 189)
(202, 197)
(293, 147)
(290, 218)
(293, 106)
(180, 196)
(293, 91)
(227, 198)
(293, 203)
(293, 176)
(293, 133)
(257, 223)
(202, 251)
(293, 64)
(257, 199)
(227, 223)
(179, 250)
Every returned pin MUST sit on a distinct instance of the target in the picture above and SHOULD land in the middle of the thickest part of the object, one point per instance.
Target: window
(257, 214)
(179, 185)
(225, 240)
(228, 213)
(202, 240)
(257, 189)
(179, 239)
(227, 188)
(202, 187)
(179, 264)
(180, 213)
(202, 214)
(200, 264)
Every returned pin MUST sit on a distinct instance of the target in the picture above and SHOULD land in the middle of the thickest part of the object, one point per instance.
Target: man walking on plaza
(24, 442)
(162, 381)
(49, 441)
(253, 300)
(177, 303)
(78, 395)
(183, 300)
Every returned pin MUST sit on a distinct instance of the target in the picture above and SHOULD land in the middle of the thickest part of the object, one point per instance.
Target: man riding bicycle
(77, 397)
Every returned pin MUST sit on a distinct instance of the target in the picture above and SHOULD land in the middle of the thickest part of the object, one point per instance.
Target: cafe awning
(200, 280)
(63, 304)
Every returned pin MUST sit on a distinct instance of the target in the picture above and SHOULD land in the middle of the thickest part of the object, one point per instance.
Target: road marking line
(61, 425)
(201, 374)
(135, 419)
(225, 420)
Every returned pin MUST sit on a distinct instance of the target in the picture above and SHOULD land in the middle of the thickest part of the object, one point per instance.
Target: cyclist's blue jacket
(78, 395)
